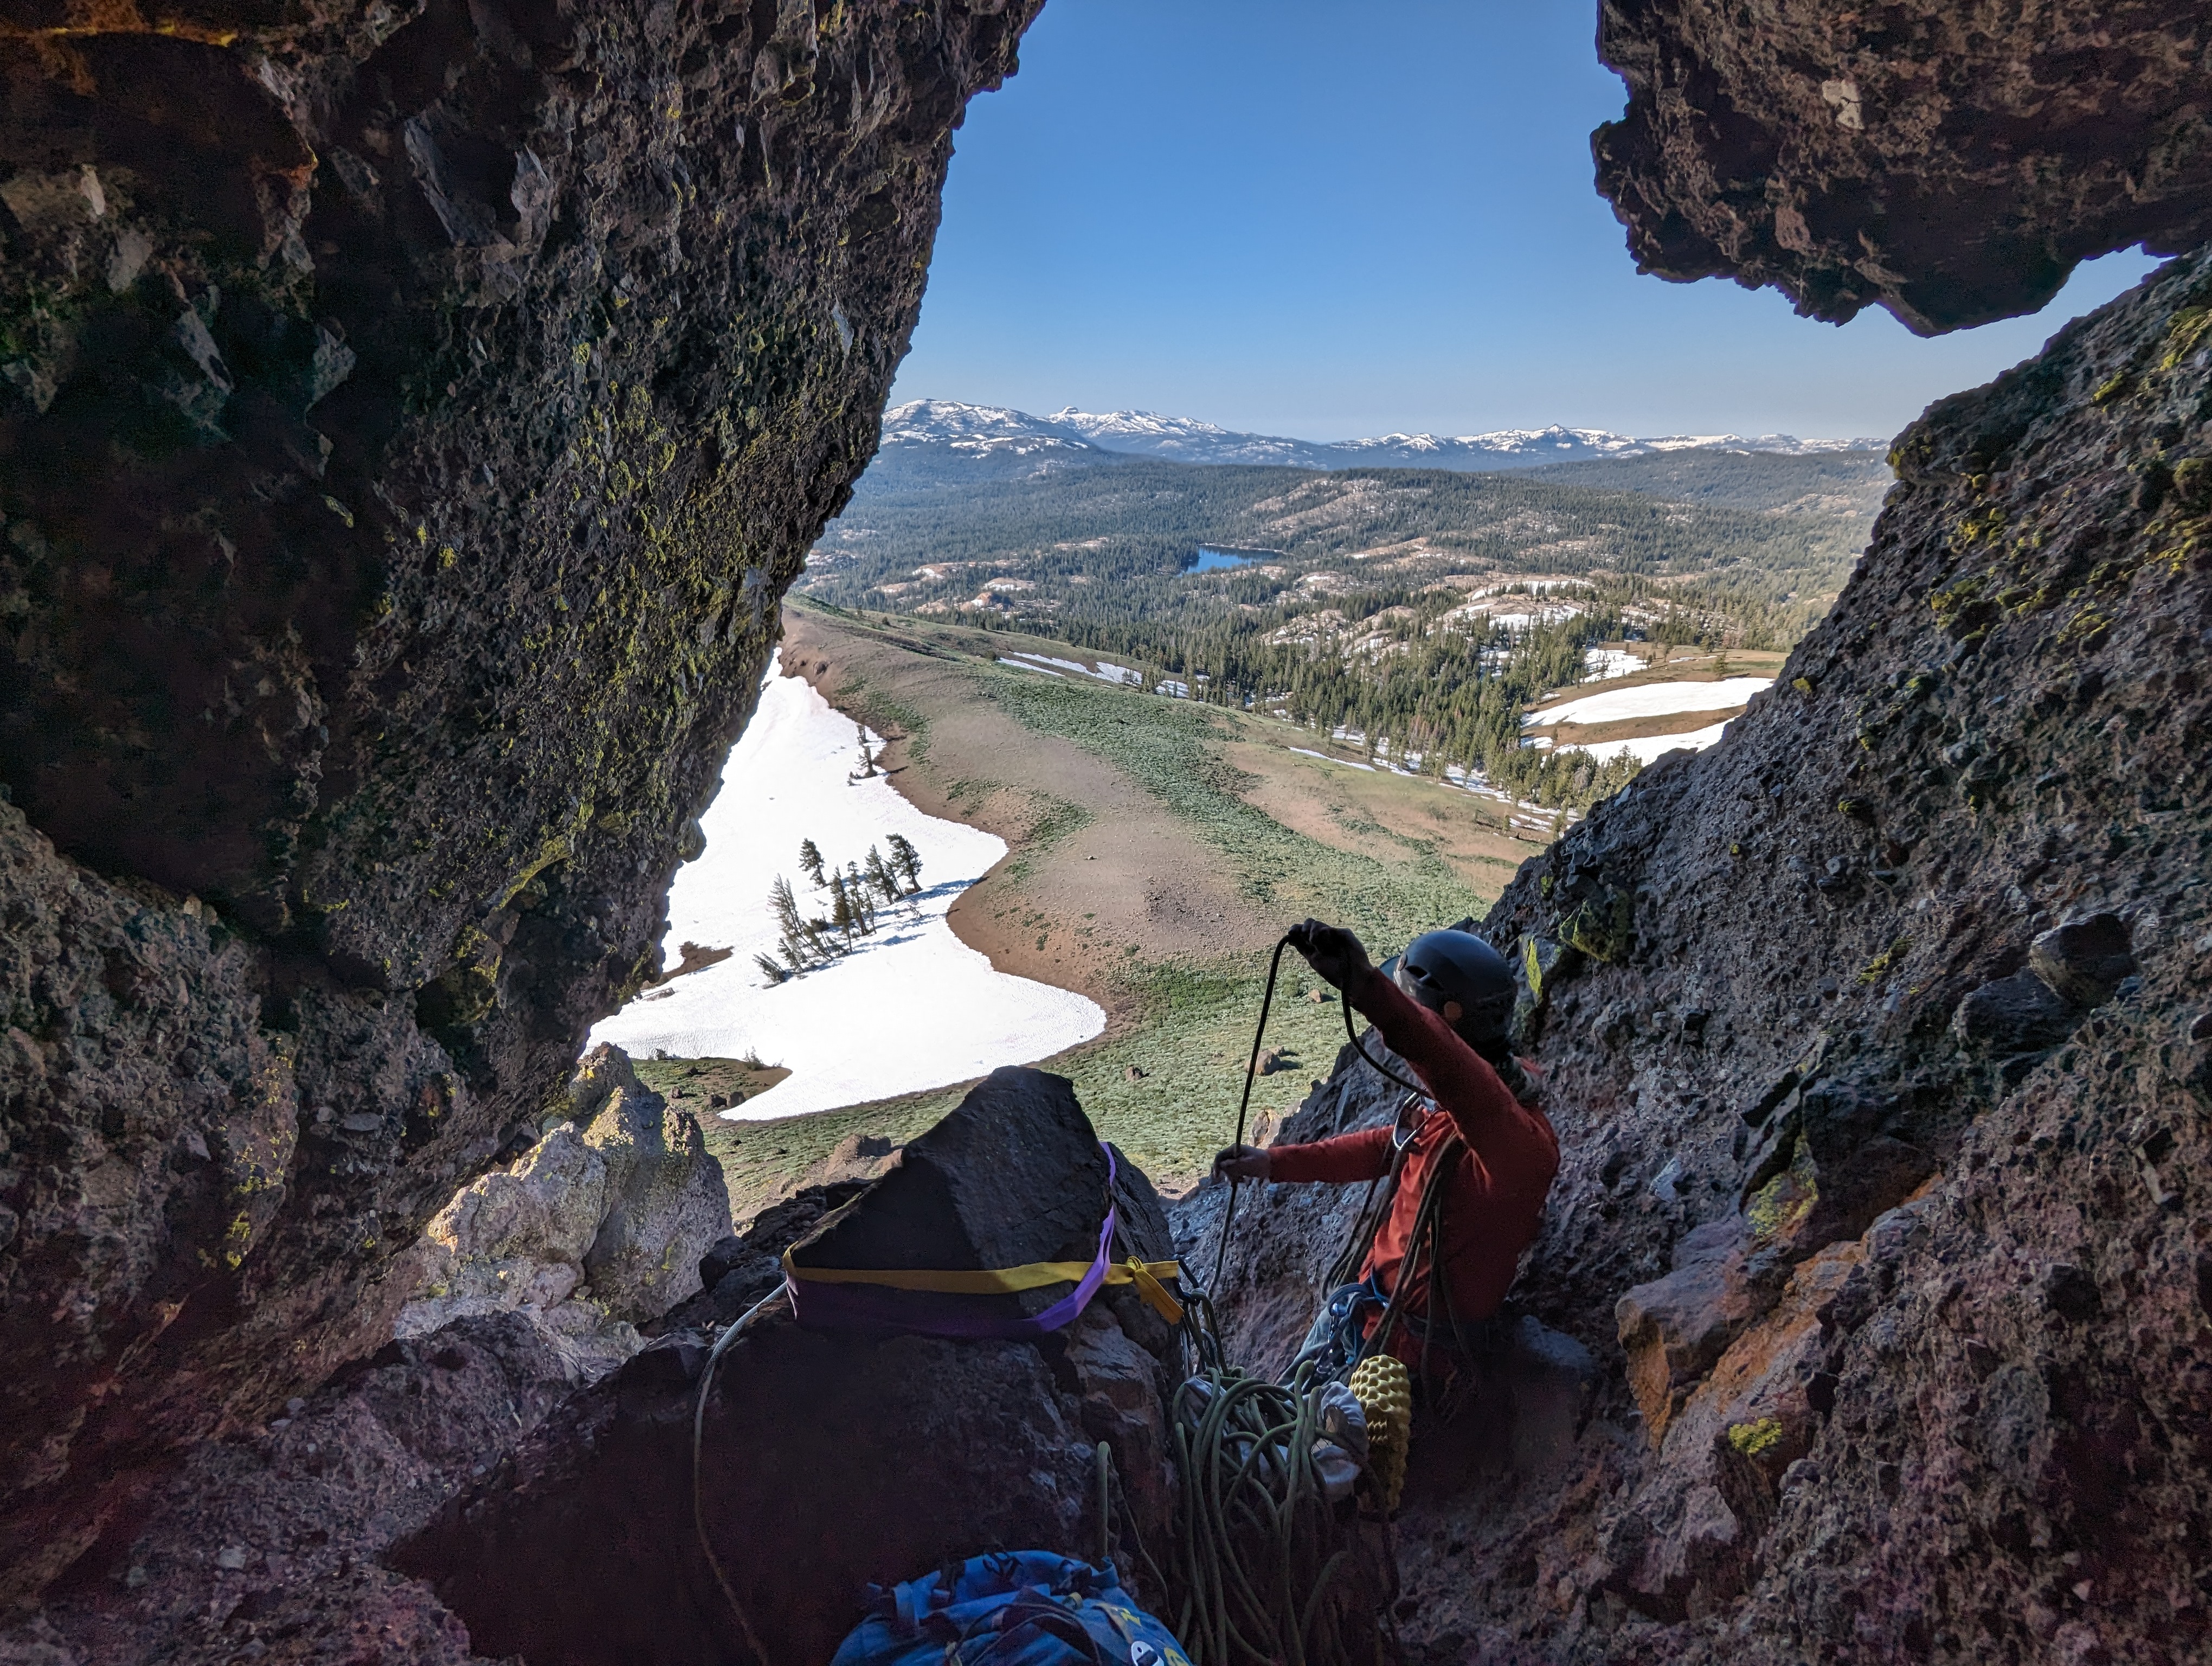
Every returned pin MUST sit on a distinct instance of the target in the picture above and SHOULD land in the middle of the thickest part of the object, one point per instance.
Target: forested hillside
(1420, 609)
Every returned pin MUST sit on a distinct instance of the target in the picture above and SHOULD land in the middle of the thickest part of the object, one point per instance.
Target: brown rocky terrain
(1880, 1040)
(413, 417)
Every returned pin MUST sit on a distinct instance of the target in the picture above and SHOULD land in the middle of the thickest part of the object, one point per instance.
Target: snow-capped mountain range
(1005, 435)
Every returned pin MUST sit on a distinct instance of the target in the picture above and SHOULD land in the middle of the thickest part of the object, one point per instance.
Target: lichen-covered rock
(411, 417)
(596, 1229)
(1949, 162)
(1673, 1329)
(1950, 1404)
(2010, 689)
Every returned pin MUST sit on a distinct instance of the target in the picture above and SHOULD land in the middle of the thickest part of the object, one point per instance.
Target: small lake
(1212, 560)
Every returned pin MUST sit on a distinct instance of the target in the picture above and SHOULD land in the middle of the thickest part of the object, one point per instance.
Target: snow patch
(1654, 700)
(1601, 663)
(1651, 748)
(1327, 757)
(913, 1007)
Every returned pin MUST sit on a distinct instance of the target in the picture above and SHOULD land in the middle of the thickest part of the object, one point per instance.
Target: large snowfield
(1655, 700)
(913, 1007)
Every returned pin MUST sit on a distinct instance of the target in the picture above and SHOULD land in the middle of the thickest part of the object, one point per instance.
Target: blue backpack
(1027, 1608)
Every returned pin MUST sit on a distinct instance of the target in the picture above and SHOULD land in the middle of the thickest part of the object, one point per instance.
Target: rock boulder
(598, 1227)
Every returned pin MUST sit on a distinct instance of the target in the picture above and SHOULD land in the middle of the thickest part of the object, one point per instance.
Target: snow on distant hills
(1187, 439)
(978, 430)
(1002, 435)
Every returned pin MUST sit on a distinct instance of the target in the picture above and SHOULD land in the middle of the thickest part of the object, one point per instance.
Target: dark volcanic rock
(2015, 1014)
(264, 1547)
(1950, 1404)
(2085, 962)
(1986, 1424)
(1949, 162)
(412, 416)
(829, 1461)
(1014, 1175)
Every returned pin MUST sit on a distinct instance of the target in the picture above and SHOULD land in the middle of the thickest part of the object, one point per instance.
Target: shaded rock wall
(1949, 163)
(413, 415)
(831, 1458)
(266, 1546)
(1883, 1078)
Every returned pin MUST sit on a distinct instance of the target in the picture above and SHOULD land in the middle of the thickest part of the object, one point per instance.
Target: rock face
(826, 1459)
(1949, 162)
(412, 418)
(1884, 1096)
(598, 1228)
(1014, 1175)
(266, 1546)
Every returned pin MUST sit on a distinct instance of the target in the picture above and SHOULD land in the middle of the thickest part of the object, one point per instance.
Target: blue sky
(1333, 220)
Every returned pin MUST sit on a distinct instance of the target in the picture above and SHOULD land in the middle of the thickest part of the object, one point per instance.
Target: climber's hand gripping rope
(1339, 959)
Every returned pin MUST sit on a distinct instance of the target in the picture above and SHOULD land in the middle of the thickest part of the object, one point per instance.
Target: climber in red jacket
(1445, 1010)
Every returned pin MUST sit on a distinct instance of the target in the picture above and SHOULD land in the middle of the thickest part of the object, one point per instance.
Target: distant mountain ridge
(1008, 437)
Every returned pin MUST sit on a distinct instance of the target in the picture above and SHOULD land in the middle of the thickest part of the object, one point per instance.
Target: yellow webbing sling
(1006, 1281)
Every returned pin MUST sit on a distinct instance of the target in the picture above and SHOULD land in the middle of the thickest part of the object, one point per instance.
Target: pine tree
(867, 757)
(906, 859)
(880, 875)
(810, 862)
(771, 969)
(841, 917)
(794, 939)
(863, 905)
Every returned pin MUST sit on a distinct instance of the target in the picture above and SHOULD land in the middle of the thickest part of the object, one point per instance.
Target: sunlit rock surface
(595, 1229)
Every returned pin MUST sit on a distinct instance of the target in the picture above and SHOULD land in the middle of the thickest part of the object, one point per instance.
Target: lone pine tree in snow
(809, 863)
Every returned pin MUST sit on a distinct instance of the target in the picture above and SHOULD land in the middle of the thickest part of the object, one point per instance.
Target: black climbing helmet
(1456, 965)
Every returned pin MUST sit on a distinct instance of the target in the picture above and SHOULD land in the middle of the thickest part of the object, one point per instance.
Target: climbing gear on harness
(835, 1297)
(1338, 1335)
(1380, 1384)
(1456, 965)
(1027, 1608)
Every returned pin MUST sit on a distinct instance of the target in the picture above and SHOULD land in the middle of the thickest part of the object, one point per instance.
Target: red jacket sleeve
(1459, 1078)
(1364, 1155)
